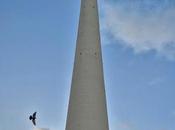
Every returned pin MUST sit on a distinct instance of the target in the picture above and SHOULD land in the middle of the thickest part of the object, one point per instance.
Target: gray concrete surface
(87, 105)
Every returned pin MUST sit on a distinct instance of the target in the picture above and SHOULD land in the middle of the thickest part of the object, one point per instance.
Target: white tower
(87, 106)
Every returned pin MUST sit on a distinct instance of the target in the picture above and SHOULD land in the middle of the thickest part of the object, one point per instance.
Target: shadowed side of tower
(87, 104)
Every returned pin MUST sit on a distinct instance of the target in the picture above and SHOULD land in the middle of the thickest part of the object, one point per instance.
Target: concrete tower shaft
(87, 105)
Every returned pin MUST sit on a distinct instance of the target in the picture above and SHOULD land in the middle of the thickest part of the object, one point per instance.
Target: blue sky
(37, 46)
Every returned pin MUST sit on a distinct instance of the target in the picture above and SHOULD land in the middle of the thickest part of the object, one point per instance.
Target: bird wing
(30, 117)
(34, 115)
(34, 122)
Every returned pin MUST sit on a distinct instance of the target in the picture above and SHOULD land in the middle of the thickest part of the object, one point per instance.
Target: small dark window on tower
(93, 6)
(95, 53)
(80, 53)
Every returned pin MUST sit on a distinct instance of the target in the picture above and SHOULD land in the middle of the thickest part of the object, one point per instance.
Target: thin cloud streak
(156, 81)
(140, 28)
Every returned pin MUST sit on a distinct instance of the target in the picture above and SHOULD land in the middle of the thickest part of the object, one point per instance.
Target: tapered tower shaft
(87, 105)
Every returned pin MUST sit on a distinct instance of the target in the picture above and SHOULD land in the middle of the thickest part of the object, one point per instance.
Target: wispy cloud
(142, 25)
(125, 126)
(156, 81)
(41, 129)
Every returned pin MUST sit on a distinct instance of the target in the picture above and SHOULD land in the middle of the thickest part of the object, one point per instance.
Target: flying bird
(33, 118)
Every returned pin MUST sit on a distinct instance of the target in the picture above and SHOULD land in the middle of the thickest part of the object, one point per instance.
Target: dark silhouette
(33, 118)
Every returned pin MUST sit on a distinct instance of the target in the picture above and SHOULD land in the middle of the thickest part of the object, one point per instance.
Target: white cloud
(141, 30)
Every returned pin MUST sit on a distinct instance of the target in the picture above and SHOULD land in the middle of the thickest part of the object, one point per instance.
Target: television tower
(87, 104)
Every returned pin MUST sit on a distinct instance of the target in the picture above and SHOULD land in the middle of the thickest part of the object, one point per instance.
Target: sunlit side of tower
(87, 104)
